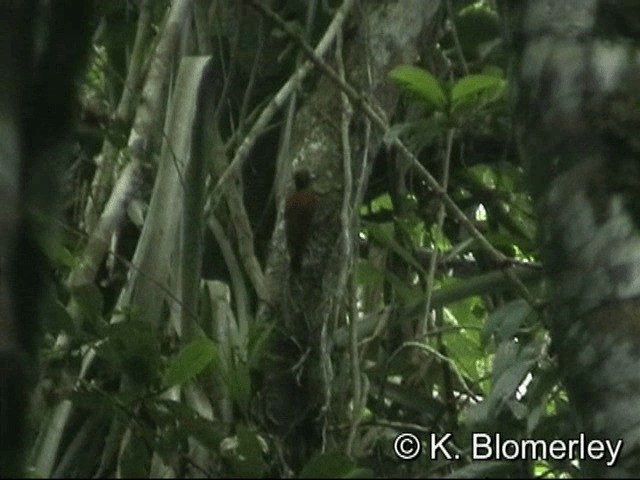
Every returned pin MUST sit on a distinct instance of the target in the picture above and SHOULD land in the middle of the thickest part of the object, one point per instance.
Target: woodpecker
(298, 217)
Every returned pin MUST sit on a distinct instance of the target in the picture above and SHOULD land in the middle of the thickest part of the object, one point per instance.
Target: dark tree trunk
(380, 36)
(577, 74)
(37, 86)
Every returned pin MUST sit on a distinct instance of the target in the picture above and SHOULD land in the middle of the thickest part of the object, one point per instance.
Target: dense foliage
(446, 341)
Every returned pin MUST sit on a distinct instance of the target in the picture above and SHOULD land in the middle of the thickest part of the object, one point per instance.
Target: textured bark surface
(386, 34)
(577, 76)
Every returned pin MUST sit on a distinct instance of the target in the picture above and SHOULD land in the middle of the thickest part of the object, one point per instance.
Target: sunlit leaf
(472, 85)
(191, 360)
(420, 83)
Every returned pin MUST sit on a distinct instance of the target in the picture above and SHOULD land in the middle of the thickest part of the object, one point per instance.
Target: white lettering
(538, 449)
(509, 445)
(438, 445)
(613, 452)
(558, 450)
(486, 444)
(595, 450)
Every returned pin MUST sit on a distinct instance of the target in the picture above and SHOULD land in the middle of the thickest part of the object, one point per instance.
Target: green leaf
(383, 233)
(381, 202)
(191, 360)
(58, 318)
(88, 299)
(131, 347)
(421, 83)
(329, 465)
(239, 383)
(135, 459)
(464, 349)
(483, 175)
(511, 364)
(62, 256)
(247, 457)
(367, 274)
(94, 401)
(259, 344)
(505, 322)
(471, 85)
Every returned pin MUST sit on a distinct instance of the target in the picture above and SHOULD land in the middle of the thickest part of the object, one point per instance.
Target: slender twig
(253, 75)
(440, 219)
(378, 118)
(233, 62)
(432, 351)
(456, 38)
(347, 244)
(278, 101)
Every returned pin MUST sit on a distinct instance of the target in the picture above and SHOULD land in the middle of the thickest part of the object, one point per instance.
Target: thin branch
(248, 90)
(278, 101)
(440, 220)
(134, 72)
(347, 250)
(242, 227)
(378, 118)
(456, 39)
(432, 351)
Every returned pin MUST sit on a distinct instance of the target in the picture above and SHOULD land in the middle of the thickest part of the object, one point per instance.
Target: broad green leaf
(60, 255)
(238, 381)
(483, 175)
(505, 322)
(259, 343)
(463, 347)
(475, 84)
(511, 364)
(191, 360)
(381, 202)
(246, 458)
(420, 83)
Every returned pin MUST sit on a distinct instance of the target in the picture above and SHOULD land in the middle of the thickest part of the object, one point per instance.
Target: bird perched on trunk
(298, 216)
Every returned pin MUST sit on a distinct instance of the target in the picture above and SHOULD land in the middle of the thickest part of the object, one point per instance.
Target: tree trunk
(577, 75)
(385, 34)
(37, 88)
